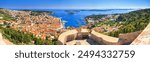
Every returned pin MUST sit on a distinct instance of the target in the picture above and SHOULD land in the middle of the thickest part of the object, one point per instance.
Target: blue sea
(76, 18)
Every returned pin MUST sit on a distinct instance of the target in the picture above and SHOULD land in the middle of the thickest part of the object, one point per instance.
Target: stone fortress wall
(129, 37)
(103, 39)
(85, 33)
(67, 36)
(143, 38)
(82, 34)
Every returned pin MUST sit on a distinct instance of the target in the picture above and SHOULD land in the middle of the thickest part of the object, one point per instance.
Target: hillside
(29, 27)
(123, 23)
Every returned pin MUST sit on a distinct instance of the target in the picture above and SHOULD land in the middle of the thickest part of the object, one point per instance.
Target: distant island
(72, 11)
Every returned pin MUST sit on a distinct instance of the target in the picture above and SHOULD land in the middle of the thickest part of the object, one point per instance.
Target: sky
(73, 4)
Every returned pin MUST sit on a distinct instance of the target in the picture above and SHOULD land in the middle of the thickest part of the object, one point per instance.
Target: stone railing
(128, 38)
(143, 38)
(103, 39)
(70, 35)
(67, 36)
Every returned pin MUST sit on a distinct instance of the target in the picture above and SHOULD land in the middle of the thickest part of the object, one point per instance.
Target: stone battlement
(82, 36)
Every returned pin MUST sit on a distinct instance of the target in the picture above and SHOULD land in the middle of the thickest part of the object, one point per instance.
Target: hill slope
(124, 23)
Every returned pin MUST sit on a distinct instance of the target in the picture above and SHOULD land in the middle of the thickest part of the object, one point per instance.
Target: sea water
(77, 18)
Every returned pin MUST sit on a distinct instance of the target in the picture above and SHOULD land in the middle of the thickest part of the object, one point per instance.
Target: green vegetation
(129, 22)
(5, 16)
(95, 17)
(107, 23)
(20, 38)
